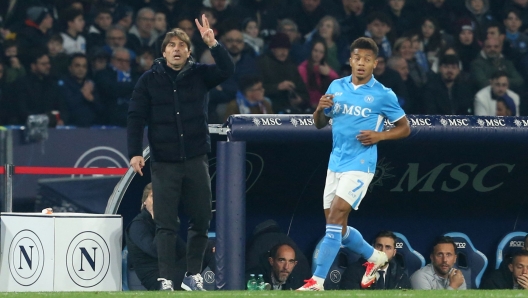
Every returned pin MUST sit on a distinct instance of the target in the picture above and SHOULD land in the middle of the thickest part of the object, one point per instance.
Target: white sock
(374, 257)
(319, 280)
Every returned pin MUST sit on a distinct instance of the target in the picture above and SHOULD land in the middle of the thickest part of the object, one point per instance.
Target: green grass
(235, 294)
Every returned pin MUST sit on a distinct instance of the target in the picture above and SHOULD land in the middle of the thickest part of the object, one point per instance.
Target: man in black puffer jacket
(171, 98)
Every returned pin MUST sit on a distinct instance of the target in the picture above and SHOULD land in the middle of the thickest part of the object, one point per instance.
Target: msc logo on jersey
(369, 98)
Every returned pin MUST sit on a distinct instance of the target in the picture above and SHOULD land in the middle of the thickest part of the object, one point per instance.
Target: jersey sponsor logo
(399, 244)
(491, 122)
(460, 244)
(420, 122)
(520, 122)
(351, 110)
(266, 121)
(338, 93)
(516, 243)
(369, 99)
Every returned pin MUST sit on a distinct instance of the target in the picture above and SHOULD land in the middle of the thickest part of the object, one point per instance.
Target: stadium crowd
(78, 60)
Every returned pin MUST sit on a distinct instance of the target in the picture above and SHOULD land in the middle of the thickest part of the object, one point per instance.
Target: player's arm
(401, 130)
(320, 119)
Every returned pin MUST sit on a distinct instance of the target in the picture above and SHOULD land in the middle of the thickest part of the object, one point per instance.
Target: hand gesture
(326, 101)
(324, 69)
(369, 137)
(456, 279)
(137, 162)
(523, 281)
(206, 31)
(87, 90)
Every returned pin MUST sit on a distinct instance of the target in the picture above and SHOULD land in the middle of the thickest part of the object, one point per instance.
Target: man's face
(492, 48)
(115, 39)
(494, 33)
(386, 244)
(121, 60)
(103, 20)
(512, 22)
(378, 29)
(78, 68)
(396, 5)
(362, 63)
(283, 263)
(499, 86)
(280, 54)
(145, 22)
(380, 69)
(234, 42)
(255, 93)
(126, 22)
(160, 22)
(47, 22)
(176, 53)
(519, 266)
(466, 37)
(291, 32)
(310, 5)
(187, 26)
(449, 72)
(42, 66)
(443, 258)
(77, 24)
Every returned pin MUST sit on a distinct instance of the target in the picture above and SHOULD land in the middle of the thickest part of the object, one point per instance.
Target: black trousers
(188, 183)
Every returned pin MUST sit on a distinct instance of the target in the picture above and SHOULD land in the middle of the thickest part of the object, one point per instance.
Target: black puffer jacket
(175, 112)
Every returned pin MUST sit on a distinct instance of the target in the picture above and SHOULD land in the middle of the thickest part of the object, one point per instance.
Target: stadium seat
(130, 281)
(510, 244)
(408, 258)
(470, 261)
(344, 257)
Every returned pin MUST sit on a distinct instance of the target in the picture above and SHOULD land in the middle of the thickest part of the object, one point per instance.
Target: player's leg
(353, 187)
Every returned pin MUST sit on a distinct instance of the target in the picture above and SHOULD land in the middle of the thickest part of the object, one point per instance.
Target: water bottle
(260, 282)
(252, 283)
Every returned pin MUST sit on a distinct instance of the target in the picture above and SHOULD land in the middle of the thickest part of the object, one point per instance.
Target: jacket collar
(158, 65)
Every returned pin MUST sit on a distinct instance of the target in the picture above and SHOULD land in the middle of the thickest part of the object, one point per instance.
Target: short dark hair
(37, 54)
(57, 38)
(514, 11)
(148, 50)
(520, 253)
(493, 24)
(74, 56)
(388, 234)
(449, 60)
(275, 248)
(103, 11)
(365, 43)
(380, 16)
(498, 74)
(176, 32)
(443, 240)
(69, 14)
(248, 81)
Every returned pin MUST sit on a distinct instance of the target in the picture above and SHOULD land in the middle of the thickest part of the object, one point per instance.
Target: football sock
(328, 250)
(355, 242)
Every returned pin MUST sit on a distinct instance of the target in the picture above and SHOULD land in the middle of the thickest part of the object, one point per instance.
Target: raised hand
(206, 31)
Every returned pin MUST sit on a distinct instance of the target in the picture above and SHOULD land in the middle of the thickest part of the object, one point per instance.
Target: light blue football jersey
(365, 108)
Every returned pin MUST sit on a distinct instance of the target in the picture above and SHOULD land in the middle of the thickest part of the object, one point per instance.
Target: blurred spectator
(337, 52)
(72, 40)
(116, 37)
(282, 81)
(306, 14)
(106, 4)
(443, 13)
(98, 60)
(403, 19)
(58, 59)
(478, 16)
(417, 76)
(250, 31)
(352, 18)
(446, 50)
(497, 30)
(414, 102)
(316, 73)
(225, 10)
(12, 68)
(245, 64)
(486, 100)
(142, 33)
(522, 7)
(378, 26)
(250, 98)
(144, 60)
(82, 100)
(123, 17)
(160, 23)
(298, 52)
(430, 38)
(267, 12)
(417, 48)
(446, 93)
(38, 93)
(35, 34)
(97, 31)
(4, 102)
(505, 107)
(491, 60)
(518, 40)
(466, 46)
(392, 79)
(115, 85)
(175, 9)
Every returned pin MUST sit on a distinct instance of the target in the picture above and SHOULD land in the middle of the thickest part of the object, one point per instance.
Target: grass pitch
(279, 294)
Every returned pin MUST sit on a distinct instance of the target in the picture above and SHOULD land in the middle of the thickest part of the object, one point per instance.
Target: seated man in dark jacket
(391, 276)
(142, 252)
(509, 276)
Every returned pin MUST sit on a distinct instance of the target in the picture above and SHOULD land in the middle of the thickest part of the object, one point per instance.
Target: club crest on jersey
(369, 98)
